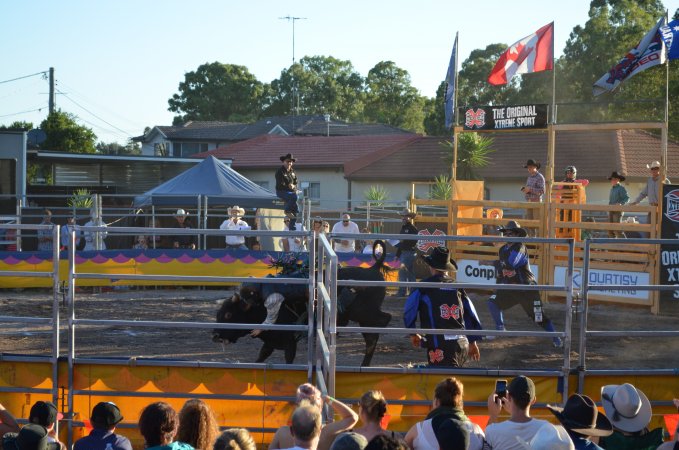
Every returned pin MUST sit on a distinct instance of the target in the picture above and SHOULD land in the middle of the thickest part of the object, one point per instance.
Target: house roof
(595, 154)
(310, 151)
(304, 125)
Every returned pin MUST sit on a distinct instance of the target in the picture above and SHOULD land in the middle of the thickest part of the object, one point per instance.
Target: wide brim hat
(615, 174)
(288, 157)
(653, 165)
(497, 211)
(406, 212)
(580, 415)
(236, 211)
(548, 437)
(627, 407)
(440, 259)
(181, 213)
(532, 162)
(514, 226)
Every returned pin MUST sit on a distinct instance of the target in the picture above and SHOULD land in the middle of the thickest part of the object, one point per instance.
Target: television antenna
(295, 95)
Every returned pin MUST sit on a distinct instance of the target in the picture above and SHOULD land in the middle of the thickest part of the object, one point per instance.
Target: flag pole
(454, 168)
(553, 81)
(664, 136)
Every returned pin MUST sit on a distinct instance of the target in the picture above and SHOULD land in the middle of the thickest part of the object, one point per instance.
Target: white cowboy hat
(548, 437)
(236, 211)
(181, 213)
(653, 164)
(626, 407)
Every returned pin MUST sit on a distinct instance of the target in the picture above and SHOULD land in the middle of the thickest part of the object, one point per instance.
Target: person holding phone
(519, 397)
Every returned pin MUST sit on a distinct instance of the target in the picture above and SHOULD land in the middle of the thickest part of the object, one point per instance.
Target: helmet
(571, 169)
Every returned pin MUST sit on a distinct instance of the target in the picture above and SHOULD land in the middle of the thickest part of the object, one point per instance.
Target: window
(184, 149)
(314, 190)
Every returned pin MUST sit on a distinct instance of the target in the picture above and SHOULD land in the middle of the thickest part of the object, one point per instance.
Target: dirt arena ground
(192, 304)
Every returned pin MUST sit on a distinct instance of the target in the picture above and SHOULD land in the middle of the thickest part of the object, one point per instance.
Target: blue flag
(670, 35)
(450, 87)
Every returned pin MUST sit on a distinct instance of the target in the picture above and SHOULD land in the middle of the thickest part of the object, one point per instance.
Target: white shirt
(502, 436)
(352, 228)
(272, 304)
(90, 236)
(239, 225)
(297, 244)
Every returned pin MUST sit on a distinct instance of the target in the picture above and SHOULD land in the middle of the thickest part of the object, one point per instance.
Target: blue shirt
(581, 442)
(173, 446)
(99, 439)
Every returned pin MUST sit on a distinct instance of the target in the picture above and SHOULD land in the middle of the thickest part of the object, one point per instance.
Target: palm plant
(376, 195)
(441, 189)
(81, 198)
(473, 152)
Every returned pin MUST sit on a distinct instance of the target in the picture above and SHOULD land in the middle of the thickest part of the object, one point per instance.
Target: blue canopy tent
(212, 178)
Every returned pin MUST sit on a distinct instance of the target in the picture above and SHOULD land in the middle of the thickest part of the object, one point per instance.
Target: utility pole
(52, 95)
(294, 83)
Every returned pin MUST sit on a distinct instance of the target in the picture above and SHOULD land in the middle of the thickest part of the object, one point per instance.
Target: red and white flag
(534, 53)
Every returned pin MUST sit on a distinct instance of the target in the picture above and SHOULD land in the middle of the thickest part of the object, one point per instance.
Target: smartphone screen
(501, 388)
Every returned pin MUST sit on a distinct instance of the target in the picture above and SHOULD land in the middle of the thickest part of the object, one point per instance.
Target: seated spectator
(367, 244)
(65, 233)
(158, 425)
(349, 441)
(384, 442)
(104, 418)
(31, 437)
(45, 236)
(630, 413)
(307, 392)
(197, 424)
(8, 423)
(371, 410)
(520, 396)
(183, 240)
(549, 437)
(141, 243)
(581, 419)
(91, 236)
(46, 414)
(305, 426)
(447, 404)
(235, 223)
(317, 225)
(235, 439)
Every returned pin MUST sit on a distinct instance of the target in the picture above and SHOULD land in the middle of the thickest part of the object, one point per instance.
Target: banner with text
(669, 229)
(504, 117)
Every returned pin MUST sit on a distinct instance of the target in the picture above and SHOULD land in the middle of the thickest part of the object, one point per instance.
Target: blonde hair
(197, 424)
(235, 439)
(374, 405)
(310, 393)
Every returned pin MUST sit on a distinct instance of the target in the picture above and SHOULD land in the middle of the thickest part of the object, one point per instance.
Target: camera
(501, 388)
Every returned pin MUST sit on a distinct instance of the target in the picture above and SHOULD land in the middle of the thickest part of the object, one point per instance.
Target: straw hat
(236, 211)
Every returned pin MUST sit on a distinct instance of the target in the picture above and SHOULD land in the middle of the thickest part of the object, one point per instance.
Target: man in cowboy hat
(235, 223)
(617, 196)
(513, 267)
(183, 240)
(581, 419)
(406, 251)
(629, 411)
(443, 308)
(652, 189)
(286, 187)
(534, 188)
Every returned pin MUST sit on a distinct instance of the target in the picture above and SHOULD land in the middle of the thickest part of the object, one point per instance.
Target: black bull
(358, 304)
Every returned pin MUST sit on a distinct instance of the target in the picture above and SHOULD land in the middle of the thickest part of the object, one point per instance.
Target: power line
(25, 76)
(91, 113)
(23, 112)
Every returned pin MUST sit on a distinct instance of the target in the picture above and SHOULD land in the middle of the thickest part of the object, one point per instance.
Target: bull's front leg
(370, 346)
(264, 353)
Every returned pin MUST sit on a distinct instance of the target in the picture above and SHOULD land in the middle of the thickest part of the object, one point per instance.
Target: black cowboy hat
(580, 414)
(514, 226)
(440, 259)
(288, 156)
(531, 162)
(615, 174)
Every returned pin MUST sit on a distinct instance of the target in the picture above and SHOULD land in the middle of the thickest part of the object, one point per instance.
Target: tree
(323, 85)
(435, 119)
(66, 135)
(473, 150)
(18, 125)
(217, 91)
(391, 99)
(113, 148)
(613, 28)
(473, 86)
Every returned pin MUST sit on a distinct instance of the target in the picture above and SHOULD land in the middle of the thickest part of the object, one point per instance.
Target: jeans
(407, 270)
(290, 199)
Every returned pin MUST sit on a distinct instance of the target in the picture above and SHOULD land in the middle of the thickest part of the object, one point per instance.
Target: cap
(105, 415)
(44, 413)
(522, 387)
(349, 441)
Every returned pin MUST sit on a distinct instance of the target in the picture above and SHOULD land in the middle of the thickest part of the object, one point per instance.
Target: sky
(118, 62)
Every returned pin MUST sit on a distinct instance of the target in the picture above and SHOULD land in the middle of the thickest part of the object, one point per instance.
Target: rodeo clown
(443, 308)
(513, 267)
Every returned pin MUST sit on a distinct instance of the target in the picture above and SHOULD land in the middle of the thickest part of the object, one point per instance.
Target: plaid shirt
(536, 183)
